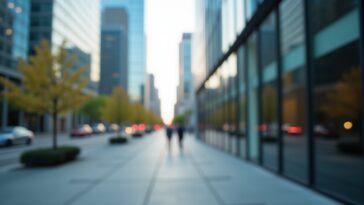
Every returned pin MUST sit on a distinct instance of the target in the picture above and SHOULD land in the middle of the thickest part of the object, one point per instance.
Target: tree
(117, 107)
(50, 85)
(139, 113)
(93, 107)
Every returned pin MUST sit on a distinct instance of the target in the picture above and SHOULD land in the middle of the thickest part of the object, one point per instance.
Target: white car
(16, 135)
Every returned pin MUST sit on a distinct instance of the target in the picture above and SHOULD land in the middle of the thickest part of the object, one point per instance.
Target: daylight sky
(165, 21)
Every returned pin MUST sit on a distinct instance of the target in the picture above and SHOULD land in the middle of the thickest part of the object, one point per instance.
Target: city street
(144, 172)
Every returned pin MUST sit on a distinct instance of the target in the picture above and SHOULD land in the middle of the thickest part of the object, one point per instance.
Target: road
(10, 155)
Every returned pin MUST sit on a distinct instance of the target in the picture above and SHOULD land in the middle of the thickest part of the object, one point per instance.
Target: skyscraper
(114, 50)
(136, 48)
(185, 96)
(77, 23)
(14, 32)
(151, 99)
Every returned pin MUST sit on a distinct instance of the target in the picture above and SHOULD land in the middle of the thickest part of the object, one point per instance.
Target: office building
(185, 94)
(77, 23)
(14, 31)
(151, 99)
(136, 46)
(279, 83)
(114, 50)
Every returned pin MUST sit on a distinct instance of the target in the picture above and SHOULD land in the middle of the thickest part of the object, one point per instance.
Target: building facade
(136, 48)
(114, 50)
(185, 94)
(151, 98)
(77, 23)
(279, 83)
(14, 32)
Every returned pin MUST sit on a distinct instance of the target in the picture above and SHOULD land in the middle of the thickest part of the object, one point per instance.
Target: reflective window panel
(337, 98)
(293, 93)
(269, 95)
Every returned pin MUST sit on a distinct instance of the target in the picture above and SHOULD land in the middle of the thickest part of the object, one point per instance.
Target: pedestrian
(180, 131)
(169, 133)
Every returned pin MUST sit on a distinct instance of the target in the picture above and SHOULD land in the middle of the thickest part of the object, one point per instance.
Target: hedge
(118, 140)
(49, 156)
(137, 134)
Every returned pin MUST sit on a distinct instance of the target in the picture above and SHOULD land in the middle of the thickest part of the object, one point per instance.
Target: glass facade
(136, 45)
(337, 98)
(14, 32)
(288, 93)
(78, 24)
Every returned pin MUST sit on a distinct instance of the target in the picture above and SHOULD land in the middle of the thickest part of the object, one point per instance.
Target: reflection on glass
(242, 100)
(268, 124)
(293, 93)
(337, 94)
(253, 140)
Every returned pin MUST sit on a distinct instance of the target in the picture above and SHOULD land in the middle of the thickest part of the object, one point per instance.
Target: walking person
(180, 132)
(169, 133)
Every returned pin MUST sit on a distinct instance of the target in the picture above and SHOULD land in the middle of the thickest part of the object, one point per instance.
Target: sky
(165, 21)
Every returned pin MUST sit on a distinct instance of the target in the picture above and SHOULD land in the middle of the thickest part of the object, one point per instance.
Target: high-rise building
(185, 94)
(14, 31)
(77, 23)
(114, 50)
(136, 46)
(279, 83)
(151, 99)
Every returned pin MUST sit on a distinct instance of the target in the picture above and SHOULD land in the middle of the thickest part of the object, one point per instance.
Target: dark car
(16, 135)
(81, 131)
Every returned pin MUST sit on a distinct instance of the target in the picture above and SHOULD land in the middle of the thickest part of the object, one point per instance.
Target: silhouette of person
(169, 133)
(180, 131)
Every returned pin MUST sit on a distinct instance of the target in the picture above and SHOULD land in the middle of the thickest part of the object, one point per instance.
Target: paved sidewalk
(143, 172)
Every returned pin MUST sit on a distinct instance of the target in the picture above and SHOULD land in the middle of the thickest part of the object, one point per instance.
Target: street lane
(10, 155)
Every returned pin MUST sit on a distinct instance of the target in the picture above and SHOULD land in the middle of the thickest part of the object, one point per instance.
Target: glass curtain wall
(293, 93)
(232, 94)
(337, 97)
(242, 101)
(253, 83)
(269, 94)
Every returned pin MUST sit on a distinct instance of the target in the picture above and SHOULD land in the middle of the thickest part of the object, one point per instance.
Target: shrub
(118, 140)
(353, 148)
(49, 156)
(137, 134)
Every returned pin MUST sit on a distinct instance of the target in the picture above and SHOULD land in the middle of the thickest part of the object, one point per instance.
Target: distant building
(151, 99)
(77, 23)
(185, 96)
(14, 32)
(136, 48)
(114, 50)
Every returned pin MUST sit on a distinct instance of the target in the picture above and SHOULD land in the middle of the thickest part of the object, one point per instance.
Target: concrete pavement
(143, 172)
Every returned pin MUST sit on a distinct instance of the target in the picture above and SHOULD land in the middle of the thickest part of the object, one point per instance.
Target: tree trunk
(55, 124)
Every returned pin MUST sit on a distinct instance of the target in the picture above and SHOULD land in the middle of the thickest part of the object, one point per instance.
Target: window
(337, 98)
(253, 82)
(293, 93)
(268, 125)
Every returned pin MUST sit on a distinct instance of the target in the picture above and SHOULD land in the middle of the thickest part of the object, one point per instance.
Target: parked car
(325, 132)
(16, 135)
(112, 127)
(98, 128)
(81, 131)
